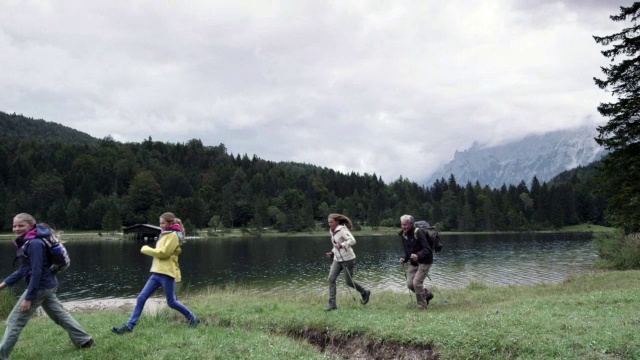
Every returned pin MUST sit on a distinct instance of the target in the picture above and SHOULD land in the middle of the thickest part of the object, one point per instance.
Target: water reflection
(115, 268)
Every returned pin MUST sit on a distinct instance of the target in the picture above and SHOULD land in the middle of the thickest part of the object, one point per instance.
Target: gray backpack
(433, 237)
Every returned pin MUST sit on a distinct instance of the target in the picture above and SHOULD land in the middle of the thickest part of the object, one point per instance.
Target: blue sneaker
(194, 322)
(121, 329)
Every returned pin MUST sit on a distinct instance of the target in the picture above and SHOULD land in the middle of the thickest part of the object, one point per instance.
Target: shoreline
(382, 231)
(152, 306)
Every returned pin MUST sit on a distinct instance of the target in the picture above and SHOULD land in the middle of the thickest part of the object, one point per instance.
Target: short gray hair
(408, 218)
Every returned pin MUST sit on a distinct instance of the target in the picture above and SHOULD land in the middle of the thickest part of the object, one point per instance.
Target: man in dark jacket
(417, 251)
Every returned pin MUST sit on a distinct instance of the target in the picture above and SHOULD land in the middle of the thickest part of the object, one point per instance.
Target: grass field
(588, 317)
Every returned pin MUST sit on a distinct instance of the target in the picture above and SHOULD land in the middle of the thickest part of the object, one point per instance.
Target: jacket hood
(41, 232)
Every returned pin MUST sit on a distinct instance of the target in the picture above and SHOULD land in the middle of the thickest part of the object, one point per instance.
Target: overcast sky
(386, 87)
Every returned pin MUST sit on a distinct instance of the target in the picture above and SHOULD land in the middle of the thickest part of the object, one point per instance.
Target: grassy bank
(365, 231)
(588, 317)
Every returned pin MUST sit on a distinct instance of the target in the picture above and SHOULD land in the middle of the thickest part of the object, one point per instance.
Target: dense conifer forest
(73, 181)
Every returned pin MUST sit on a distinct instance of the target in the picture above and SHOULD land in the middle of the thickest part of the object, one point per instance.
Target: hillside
(13, 125)
(86, 184)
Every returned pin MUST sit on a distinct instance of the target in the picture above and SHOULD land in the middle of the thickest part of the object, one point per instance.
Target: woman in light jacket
(343, 258)
(165, 272)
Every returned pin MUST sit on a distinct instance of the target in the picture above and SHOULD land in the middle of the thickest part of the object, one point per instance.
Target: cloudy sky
(386, 87)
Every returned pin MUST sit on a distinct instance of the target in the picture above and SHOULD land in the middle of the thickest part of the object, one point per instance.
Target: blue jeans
(17, 320)
(168, 285)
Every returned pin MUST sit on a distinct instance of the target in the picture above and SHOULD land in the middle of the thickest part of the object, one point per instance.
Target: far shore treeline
(72, 181)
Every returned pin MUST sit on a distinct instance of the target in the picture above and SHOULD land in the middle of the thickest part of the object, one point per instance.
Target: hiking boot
(194, 322)
(428, 296)
(121, 329)
(365, 297)
(331, 306)
(422, 303)
(89, 343)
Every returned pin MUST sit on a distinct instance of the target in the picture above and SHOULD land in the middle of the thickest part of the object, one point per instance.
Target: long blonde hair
(179, 222)
(26, 218)
(342, 220)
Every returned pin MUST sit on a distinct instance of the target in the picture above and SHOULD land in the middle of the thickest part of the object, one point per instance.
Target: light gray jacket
(343, 237)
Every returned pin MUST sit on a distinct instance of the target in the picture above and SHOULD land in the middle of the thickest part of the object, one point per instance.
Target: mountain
(12, 125)
(544, 156)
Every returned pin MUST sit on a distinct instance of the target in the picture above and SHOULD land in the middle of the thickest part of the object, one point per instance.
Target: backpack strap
(430, 241)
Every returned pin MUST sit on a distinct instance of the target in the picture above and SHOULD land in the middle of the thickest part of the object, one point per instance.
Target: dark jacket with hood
(34, 262)
(415, 242)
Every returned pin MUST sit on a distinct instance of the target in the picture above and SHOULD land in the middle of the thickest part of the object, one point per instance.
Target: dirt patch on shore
(358, 348)
(354, 347)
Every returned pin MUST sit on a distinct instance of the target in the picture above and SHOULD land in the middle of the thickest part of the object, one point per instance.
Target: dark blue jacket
(34, 264)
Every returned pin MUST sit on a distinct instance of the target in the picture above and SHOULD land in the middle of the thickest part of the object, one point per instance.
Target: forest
(74, 182)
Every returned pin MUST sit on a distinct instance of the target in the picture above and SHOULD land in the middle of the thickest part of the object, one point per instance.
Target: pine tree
(621, 169)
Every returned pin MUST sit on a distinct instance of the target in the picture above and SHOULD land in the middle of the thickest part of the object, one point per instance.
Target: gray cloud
(340, 84)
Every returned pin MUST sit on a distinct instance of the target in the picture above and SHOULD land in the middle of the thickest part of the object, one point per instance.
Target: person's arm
(424, 243)
(165, 247)
(35, 253)
(407, 256)
(20, 273)
(348, 238)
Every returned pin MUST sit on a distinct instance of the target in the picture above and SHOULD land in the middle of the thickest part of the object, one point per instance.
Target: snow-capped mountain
(544, 156)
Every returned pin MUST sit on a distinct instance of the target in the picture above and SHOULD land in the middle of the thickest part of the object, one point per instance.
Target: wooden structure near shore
(143, 232)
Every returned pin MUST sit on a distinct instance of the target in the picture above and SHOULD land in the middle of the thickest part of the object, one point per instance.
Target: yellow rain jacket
(165, 255)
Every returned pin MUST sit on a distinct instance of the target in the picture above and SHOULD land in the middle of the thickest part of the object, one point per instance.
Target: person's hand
(402, 261)
(337, 246)
(414, 257)
(330, 254)
(26, 305)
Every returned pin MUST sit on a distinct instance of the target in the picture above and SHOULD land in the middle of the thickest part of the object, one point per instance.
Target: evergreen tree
(451, 209)
(74, 214)
(621, 134)
(112, 220)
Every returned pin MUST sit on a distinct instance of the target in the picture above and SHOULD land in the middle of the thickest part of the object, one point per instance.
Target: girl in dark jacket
(41, 287)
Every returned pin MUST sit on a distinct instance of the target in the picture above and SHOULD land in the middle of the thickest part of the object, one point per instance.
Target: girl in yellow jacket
(165, 272)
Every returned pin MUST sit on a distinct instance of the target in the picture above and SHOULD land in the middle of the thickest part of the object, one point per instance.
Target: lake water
(116, 268)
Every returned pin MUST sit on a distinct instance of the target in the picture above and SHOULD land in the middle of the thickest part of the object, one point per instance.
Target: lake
(116, 268)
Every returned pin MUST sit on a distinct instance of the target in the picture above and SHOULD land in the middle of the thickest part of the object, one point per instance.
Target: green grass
(588, 228)
(588, 317)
